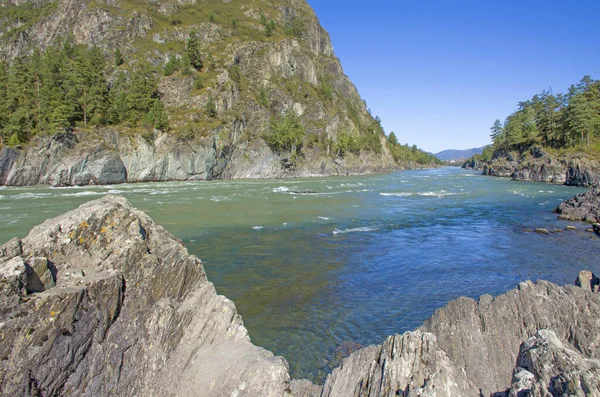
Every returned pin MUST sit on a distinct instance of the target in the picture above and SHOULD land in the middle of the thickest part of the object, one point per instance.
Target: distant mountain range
(453, 154)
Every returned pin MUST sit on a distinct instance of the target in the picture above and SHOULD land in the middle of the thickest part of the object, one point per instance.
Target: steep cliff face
(249, 78)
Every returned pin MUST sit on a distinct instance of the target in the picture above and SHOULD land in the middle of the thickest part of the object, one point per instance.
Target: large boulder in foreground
(102, 301)
(583, 207)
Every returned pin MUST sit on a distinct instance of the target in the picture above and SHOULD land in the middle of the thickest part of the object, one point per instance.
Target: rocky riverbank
(583, 207)
(106, 157)
(537, 165)
(103, 301)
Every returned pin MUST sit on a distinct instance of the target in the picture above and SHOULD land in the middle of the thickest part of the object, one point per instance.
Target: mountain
(129, 90)
(453, 154)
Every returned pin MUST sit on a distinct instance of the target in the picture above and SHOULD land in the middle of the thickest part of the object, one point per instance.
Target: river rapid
(318, 267)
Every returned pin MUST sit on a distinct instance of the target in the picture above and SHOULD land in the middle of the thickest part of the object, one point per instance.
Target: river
(320, 266)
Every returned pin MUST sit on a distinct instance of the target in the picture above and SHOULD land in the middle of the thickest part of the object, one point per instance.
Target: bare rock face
(484, 337)
(555, 368)
(405, 365)
(583, 207)
(102, 301)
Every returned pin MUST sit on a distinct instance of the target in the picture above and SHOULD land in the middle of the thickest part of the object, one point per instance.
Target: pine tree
(210, 108)
(581, 118)
(118, 57)
(392, 139)
(90, 84)
(4, 113)
(19, 101)
(142, 90)
(157, 116)
(496, 130)
(193, 51)
(117, 100)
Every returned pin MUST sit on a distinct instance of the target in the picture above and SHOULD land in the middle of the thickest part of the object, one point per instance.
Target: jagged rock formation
(548, 366)
(583, 207)
(536, 165)
(484, 337)
(102, 301)
(405, 365)
(249, 78)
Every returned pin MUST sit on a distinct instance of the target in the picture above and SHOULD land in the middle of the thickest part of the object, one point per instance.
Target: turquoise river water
(320, 266)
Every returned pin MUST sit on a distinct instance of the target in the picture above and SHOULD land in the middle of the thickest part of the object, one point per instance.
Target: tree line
(409, 154)
(69, 86)
(558, 121)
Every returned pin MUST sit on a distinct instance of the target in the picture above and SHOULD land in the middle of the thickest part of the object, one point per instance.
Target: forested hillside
(561, 122)
(254, 85)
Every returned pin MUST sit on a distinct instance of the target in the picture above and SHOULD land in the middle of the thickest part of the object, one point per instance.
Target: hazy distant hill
(453, 154)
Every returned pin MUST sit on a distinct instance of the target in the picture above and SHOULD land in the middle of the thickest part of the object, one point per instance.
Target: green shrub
(285, 133)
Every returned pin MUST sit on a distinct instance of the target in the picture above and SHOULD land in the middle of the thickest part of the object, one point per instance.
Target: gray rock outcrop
(484, 337)
(405, 365)
(547, 366)
(107, 158)
(536, 165)
(102, 301)
(583, 207)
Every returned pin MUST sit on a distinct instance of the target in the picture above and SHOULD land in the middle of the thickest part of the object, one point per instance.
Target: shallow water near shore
(320, 266)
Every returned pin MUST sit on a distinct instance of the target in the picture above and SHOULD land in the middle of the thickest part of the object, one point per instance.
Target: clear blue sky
(439, 73)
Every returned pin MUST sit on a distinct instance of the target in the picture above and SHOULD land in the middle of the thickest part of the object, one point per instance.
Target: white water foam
(32, 195)
(325, 218)
(354, 230)
(395, 194)
(281, 189)
(81, 194)
(258, 227)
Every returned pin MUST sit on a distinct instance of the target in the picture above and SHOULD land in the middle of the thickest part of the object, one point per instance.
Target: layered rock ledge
(583, 207)
(101, 301)
(106, 157)
(537, 165)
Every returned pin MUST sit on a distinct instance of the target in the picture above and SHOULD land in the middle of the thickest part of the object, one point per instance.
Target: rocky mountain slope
(102, 301)
(259, 61)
